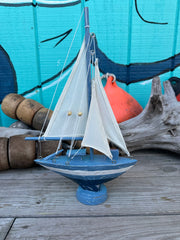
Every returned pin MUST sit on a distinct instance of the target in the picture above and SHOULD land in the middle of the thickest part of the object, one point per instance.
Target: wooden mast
(88, 53)
(88, 60)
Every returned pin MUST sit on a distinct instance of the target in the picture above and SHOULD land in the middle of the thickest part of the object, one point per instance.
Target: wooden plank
(155, 163)
(153, 186)
(5, 225)
(56, 197)
(149, 227)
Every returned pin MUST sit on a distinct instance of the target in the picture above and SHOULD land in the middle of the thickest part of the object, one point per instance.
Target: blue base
(91, 197)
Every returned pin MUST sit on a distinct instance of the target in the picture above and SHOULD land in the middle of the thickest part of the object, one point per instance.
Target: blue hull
(89, 174)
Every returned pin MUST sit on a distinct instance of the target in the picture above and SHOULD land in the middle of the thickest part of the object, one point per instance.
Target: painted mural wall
(135, 39)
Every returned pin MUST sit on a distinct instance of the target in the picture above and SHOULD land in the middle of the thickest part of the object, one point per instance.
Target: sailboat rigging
(83, 113)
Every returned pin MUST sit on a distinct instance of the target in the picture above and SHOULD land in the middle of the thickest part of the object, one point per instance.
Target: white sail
(95, 135)
(70, 115)
(102, 125)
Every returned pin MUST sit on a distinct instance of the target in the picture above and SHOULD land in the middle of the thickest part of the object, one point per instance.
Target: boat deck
(143, 204)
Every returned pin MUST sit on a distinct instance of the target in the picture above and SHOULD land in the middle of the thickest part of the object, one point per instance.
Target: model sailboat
(83, 113)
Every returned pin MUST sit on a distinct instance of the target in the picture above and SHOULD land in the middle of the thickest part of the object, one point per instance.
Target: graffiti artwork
(135, 40)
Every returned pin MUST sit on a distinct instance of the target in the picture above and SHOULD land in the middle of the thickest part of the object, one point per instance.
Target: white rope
(76, 152)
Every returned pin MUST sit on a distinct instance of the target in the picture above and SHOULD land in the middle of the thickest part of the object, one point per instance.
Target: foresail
(70, 114)
(112, 129)
(102, 125)
(95, 135)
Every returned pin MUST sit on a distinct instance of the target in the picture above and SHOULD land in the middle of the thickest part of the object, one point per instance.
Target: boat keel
(88, 197)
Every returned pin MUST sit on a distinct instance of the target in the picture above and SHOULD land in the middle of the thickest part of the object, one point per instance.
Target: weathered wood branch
(158, 126)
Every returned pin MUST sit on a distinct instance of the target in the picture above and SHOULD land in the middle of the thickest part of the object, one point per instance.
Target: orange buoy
(10, 103)
(178, 97)
(124, 106)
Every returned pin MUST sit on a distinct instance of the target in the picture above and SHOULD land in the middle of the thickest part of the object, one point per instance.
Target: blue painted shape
(91, 197)
(86, 172)
(52, 138)
(135, 72)
(115, 153)
(129, 43)
(79, 152)
(7, 75)
(51, 156)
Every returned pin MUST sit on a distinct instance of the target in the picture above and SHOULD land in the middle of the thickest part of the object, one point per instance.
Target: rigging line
(59, 145)
(76, 152)
(61, 73)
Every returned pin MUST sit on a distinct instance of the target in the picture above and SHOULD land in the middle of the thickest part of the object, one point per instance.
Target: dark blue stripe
(8, 82)
(52, 138)
(135, 72)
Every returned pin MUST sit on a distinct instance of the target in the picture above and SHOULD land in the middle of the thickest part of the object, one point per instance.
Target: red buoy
(178, 97)
(124, 106)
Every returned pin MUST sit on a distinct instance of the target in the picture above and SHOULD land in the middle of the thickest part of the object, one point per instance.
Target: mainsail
(70, 114)
(101, 124)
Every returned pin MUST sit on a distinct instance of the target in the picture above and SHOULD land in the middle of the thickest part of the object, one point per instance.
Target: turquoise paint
(82, 23)
(17, 38)
(122, 35)
(129, 36)
(176, 30)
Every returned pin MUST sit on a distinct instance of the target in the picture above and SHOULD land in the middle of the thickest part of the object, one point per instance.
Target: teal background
(121, 34)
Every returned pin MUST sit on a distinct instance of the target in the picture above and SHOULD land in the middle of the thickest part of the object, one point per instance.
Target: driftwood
(158, 125)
